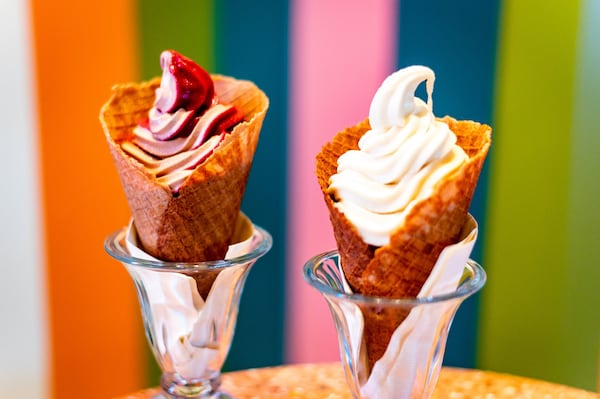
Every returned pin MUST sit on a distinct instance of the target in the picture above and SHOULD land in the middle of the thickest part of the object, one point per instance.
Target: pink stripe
(341, 52)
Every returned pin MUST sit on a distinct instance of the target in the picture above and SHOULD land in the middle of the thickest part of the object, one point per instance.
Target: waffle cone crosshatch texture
(400, 269)
(208, 202)
(447, 208)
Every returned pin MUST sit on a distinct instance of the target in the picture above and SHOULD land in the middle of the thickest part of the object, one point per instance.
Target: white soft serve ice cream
(399, 161)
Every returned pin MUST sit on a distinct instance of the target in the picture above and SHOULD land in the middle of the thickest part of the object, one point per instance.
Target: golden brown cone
(196, 224)
(400, 268)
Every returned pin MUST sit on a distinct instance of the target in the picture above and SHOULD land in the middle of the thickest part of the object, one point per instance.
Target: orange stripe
(81, 49)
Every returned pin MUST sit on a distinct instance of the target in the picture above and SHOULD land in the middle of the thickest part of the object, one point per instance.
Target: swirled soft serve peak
(399, 160)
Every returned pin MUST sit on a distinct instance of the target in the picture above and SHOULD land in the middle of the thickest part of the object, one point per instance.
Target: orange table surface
(320, 381)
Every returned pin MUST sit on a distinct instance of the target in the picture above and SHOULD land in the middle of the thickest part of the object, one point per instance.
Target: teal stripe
(458, 41)
(187, 27)
(582, 280)
(253, 44)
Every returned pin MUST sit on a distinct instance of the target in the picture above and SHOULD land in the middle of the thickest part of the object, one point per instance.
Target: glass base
(174, 388)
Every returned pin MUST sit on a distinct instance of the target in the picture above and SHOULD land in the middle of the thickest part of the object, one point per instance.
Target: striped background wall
(69, 317)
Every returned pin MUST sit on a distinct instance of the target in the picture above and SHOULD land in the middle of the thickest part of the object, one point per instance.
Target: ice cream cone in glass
(410, 332)
(190, 310)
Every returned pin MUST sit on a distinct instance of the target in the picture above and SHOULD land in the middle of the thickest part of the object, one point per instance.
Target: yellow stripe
(82, 49)
(526, 252)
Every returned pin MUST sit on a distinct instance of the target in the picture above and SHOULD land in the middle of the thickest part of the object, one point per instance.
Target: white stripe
(23, 358)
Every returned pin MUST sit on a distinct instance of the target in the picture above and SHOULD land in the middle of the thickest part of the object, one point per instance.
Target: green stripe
(526, 308)
(187, 27)
(583, 278)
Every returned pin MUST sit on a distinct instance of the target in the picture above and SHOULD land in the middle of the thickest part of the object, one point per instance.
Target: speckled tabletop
(326, 381)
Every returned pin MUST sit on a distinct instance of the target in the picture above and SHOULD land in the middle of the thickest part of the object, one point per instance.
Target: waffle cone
(400, 268)
(198, 222)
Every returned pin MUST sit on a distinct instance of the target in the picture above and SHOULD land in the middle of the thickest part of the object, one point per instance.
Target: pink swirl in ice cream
(399, 161)
(184, 126)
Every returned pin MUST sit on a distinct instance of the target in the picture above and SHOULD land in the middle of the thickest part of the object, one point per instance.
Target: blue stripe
(252, 43)
(458, 41)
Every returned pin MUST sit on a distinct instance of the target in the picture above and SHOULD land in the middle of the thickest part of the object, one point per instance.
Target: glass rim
(474, 284)
(113, 245)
